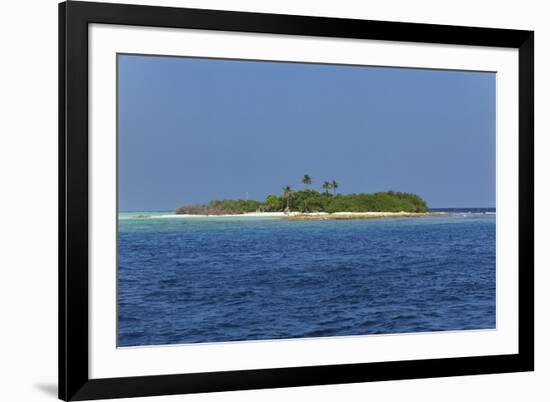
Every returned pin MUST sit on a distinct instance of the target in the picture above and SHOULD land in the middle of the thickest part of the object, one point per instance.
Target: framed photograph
(256, 200)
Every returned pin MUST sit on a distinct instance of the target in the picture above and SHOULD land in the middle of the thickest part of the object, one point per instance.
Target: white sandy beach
(303, 215)
(249, 214)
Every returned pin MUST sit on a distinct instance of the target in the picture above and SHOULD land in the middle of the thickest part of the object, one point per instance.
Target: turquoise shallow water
(189, 280)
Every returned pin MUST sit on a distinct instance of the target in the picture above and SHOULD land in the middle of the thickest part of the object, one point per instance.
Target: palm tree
(327, 186)
(306, 180)
(287, 194)
(334, 185)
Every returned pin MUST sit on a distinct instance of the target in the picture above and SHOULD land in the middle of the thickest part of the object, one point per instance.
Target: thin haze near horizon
(191, 130)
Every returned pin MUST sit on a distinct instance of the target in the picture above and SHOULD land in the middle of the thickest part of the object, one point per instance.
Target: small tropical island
(309, 204)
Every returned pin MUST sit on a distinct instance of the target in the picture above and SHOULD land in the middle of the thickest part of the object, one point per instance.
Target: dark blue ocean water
(188, 280)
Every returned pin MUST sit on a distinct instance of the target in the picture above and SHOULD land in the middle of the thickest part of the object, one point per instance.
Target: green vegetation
(221, 207)
(313, 201)
(308, 200)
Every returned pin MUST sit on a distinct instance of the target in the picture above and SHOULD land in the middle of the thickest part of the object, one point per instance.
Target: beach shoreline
(303, 216)
(360, 215)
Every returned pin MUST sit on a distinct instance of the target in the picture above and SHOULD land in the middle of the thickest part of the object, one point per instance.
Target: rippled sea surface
(189, 280)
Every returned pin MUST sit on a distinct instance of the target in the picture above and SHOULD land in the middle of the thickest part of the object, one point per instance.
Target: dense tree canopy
(313, 201)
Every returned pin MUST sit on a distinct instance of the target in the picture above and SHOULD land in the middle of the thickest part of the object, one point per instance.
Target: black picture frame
(74, 381)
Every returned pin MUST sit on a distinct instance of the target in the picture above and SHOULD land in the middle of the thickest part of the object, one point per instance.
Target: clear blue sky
(192, 130)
